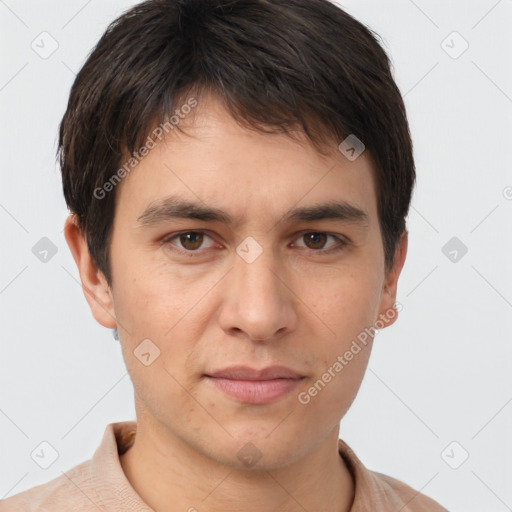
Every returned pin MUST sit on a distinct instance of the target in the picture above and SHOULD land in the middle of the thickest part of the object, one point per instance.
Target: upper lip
(248, 373)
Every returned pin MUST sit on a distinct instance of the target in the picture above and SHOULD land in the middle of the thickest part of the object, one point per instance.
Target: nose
(258, 301)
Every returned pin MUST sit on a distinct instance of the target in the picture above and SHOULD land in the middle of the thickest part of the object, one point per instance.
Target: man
(238, 174)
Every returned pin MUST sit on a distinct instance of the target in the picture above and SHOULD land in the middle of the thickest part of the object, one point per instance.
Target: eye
(190, 241)
(316, 240)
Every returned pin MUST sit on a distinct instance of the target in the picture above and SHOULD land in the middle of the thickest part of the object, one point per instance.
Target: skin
(291, 306)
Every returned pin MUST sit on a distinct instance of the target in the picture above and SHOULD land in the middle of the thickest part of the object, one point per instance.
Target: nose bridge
(259, 304)
(257, 277)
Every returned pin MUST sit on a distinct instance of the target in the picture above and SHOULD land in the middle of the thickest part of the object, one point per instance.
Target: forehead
(219, 163)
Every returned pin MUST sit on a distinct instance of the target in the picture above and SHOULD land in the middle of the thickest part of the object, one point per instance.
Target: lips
(255, 386)
(247, 373)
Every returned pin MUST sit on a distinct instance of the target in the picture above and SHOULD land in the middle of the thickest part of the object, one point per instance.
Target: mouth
(252, 386)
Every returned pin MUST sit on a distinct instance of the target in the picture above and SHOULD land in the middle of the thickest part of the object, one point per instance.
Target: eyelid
(341, 239)
(167, 240)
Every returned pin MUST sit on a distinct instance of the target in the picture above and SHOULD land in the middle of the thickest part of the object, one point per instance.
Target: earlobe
(388, 312)
(94, 285)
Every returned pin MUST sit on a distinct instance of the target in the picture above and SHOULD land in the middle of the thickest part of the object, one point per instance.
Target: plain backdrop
(438, 389)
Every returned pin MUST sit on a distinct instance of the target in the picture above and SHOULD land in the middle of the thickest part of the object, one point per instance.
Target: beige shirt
(100, 484)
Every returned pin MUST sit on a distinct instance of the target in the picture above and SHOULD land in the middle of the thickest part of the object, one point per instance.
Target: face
(266, 279)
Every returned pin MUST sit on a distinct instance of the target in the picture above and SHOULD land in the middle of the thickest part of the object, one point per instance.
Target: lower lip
(255, 392)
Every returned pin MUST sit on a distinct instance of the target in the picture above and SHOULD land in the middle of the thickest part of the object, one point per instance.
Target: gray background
(441, 374)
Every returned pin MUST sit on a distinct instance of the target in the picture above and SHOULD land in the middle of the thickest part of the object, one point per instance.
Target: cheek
(345, 303)
(149, 301)
(347, 307)
(331, 392)
(161, 314)
(157, 350)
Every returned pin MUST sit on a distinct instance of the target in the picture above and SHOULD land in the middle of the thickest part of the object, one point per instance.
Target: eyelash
(342, 242)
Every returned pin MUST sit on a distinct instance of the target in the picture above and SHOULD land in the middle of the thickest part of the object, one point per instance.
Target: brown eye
(191, 240)
(315, 240)
(190, 243)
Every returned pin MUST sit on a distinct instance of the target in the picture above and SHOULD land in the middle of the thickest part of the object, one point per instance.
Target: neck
(171, 475)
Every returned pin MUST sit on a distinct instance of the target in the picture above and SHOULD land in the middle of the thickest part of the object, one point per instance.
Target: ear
(94, 285)
(388, 312)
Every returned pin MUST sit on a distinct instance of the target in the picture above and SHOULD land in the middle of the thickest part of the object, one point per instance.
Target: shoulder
(72, 488)
(89, 486)
(413, 500)
(382, 493)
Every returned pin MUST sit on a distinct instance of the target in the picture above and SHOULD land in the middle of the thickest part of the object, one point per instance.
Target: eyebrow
(173, 207)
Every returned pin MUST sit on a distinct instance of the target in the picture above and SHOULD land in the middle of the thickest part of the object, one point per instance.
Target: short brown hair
(275, 65)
